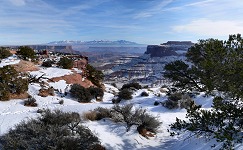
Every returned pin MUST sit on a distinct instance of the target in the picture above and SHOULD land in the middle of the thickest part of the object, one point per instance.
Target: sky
(141, 21)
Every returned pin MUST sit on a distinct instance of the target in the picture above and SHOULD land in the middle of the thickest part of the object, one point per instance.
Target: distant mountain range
(96, 43)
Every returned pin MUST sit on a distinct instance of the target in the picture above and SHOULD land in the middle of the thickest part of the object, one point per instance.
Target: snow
(9, 61)
(112, 135)
(51, 72)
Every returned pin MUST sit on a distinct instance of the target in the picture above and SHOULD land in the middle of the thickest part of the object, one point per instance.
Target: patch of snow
(9, 61)
(51, 72)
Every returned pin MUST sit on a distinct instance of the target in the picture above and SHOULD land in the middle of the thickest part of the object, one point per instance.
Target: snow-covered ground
(9, 61)
(112, 135)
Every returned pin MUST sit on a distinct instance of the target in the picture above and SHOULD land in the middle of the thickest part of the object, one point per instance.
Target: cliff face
(168, 49)
(160, 51)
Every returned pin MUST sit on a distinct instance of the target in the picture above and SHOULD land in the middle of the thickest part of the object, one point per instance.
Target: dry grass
(91, 115)
(19, 96)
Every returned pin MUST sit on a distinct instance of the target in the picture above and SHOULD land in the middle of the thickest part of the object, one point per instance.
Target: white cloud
(18, 2)
(206, 27)
(153, 10)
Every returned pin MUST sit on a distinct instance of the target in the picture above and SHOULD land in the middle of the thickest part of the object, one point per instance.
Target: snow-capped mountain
(94, 42)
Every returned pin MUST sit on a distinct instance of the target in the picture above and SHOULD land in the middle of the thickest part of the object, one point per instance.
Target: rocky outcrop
(159, 51)
(46, 92)
(80, 64)
(168, 49)
(74, 78)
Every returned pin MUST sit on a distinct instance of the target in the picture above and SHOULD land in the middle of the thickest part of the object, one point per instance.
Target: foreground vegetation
(216, 69)
(53, 130)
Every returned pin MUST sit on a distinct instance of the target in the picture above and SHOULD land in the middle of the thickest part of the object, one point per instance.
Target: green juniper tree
(26, 52)
(94, 75)
(11, 83)
(66, 63)
(215, 67)
(4, 53)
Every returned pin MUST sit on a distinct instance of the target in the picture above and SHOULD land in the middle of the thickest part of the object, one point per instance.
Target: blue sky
(141, 21)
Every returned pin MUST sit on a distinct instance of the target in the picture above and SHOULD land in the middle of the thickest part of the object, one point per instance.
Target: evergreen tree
(66, 63)
(11, 82)
(94, 75)
(214, 67)
(26, 52)
(4, 53)
(80, 93)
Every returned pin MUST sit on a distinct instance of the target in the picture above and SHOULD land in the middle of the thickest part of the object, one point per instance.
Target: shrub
(103, 113)
(131, 85)
(40, 111)
(26, 52)
(11, 82)
(30, 102)
(149, 122)
(46, 92)
(144, 93)
(91, 115)
(61, 101)
(53, 130)
(170, 104)
(94, 75)
(114, 84)
(185, 101)
(156, 103)
(138, 117)
(178, 100)
(175, 96)
(116, 100)
(125, 94)
(221, 122)
(4, 53)
(98, 114)
(47, 63)
(66, 63)
(80, 93)
(96, 92)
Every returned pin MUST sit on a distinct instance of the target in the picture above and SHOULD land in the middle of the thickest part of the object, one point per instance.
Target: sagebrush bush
(116, 100)
(98, 114)
(30, 102)
(103, 113)
(134, 85)
(149, 122)
(156, 103)
(185, 101)
(138, 117)
(96, 92)
(61, 101)
(80, 93)
(114, 84)
(47, 63)
(126, 114)
(170, 104)
(53, 130)
(144, 93)
(175, 96)
(125, 94)
(178, 100)
(90, 115)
